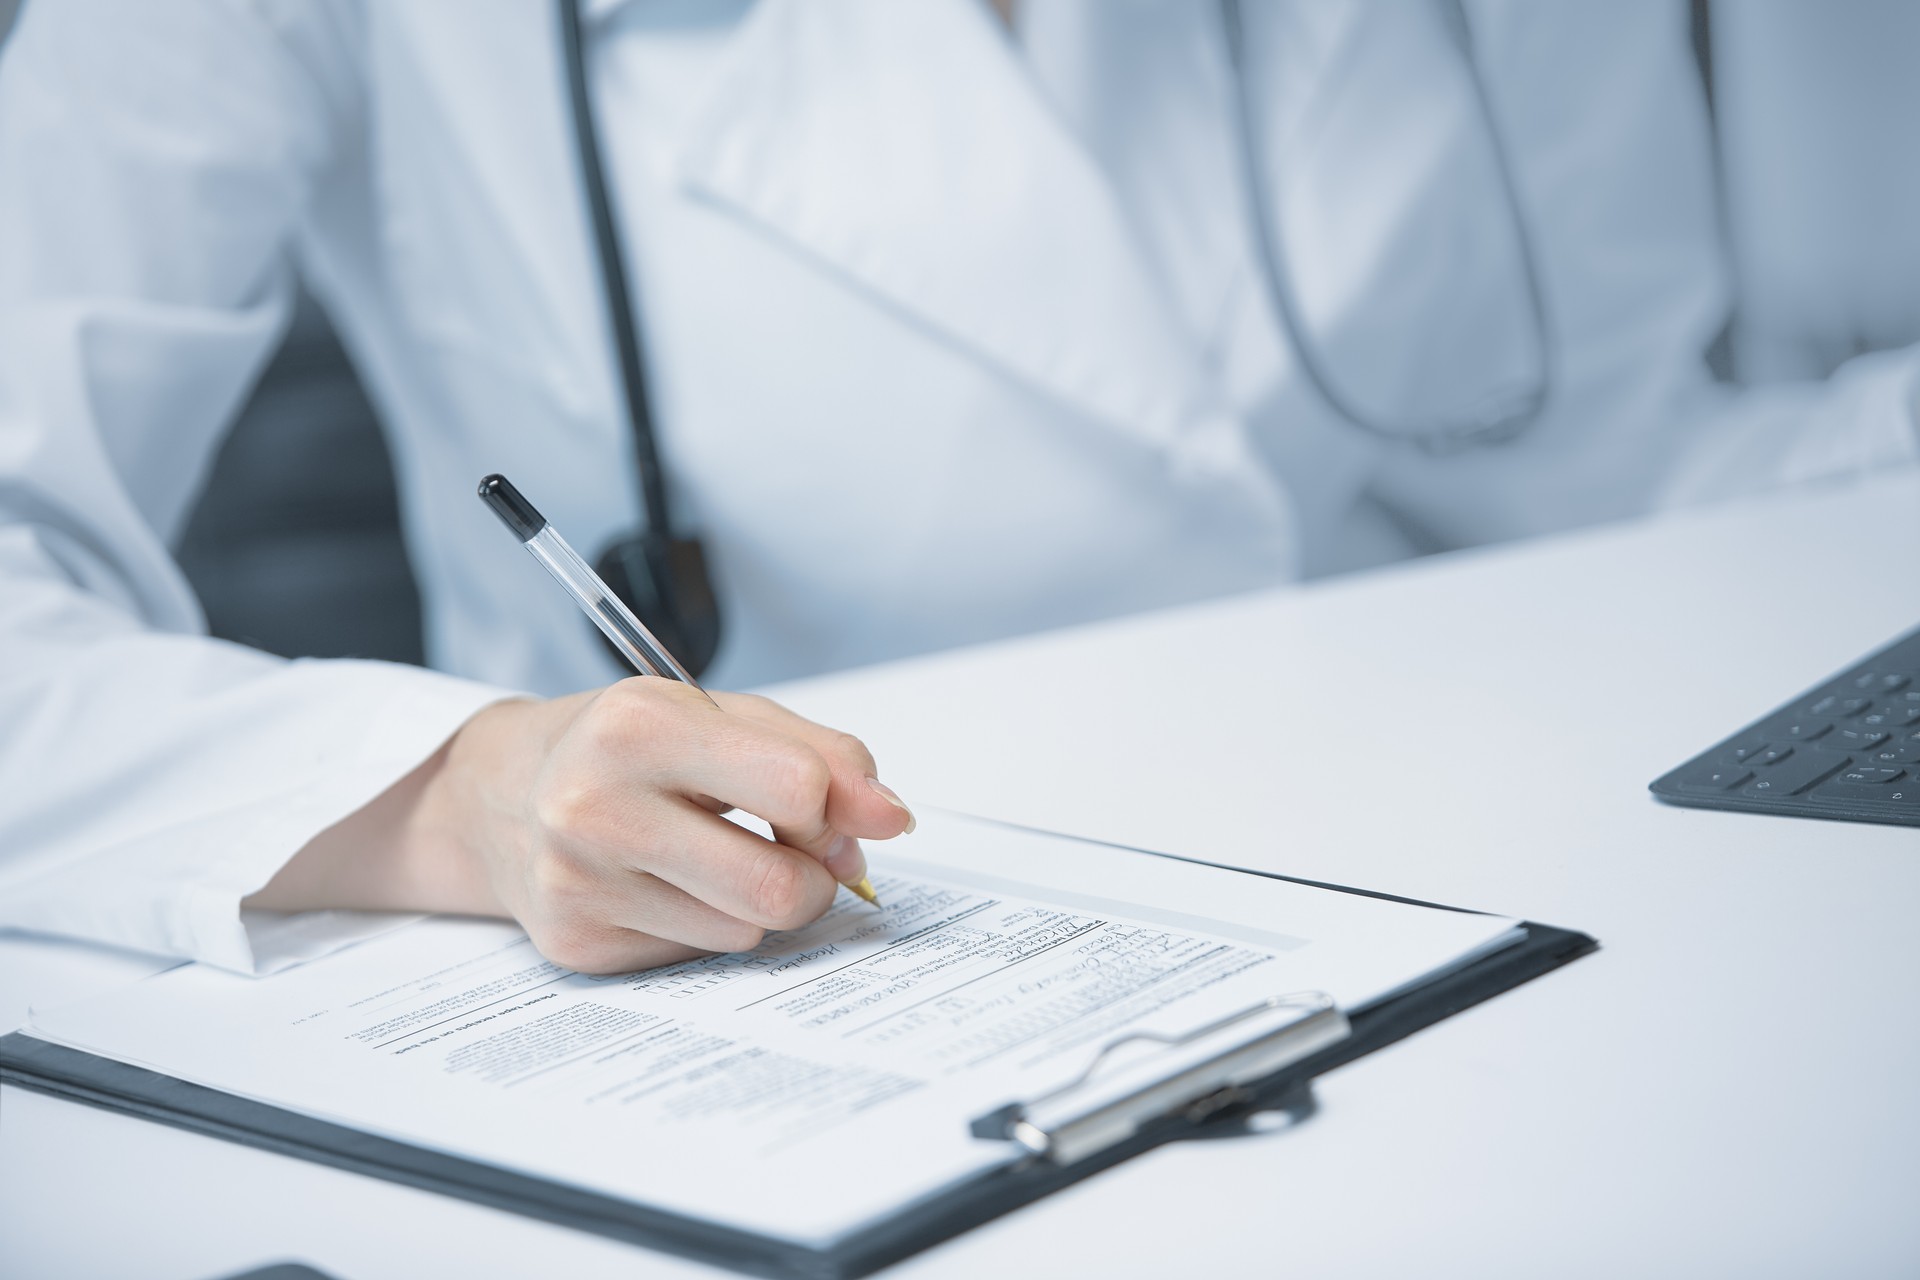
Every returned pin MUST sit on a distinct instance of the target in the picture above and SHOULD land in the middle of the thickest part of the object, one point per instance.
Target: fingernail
(845, 861)
(886, 793)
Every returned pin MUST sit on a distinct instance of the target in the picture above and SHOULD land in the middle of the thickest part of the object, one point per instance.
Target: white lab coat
(951, 338)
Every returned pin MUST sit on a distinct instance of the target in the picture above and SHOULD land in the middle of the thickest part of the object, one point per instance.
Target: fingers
(597, 867)
(610, 949)
(751, 753)
(740, 874)
(649, 905)
(625, 862)
(858, 803)
(773, 776)
(674, 738)
(815, 786)
(693, 883)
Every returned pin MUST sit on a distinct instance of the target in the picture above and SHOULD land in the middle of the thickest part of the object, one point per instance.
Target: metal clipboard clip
(1195, 1074)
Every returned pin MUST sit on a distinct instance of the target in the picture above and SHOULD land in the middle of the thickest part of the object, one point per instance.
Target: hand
(594, 820)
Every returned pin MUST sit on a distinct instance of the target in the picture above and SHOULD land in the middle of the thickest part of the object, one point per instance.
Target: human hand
(594, 820)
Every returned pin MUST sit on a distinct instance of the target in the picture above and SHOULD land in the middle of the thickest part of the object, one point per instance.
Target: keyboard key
(1848, 750)
(1893, 715)
(1901, 791)
(1713, 778)
(1790, 777)
(1861, 740)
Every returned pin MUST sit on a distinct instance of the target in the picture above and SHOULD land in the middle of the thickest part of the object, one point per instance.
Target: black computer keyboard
(1848, 749)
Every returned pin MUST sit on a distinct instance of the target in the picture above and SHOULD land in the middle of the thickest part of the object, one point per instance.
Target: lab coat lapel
(905, 146)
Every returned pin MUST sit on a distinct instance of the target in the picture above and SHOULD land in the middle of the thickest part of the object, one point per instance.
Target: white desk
(1727, 1088)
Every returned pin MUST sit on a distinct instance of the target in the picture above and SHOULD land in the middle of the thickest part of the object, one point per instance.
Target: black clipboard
(77, 1076)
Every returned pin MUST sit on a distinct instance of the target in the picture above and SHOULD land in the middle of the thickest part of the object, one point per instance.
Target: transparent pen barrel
(607, 610)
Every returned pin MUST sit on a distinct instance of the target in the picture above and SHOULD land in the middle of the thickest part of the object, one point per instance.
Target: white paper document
(805, 1088)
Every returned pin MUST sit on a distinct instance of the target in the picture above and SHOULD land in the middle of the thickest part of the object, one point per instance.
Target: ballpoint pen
(609, 612)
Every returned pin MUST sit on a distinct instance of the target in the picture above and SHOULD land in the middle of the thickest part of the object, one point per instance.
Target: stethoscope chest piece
(665, 581)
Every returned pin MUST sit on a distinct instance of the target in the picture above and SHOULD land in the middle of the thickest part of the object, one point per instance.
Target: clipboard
(1250, 1063)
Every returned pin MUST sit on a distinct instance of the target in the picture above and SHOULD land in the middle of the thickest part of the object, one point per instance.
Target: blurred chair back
(295, 546)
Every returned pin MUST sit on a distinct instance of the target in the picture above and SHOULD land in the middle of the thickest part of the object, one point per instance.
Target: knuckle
(624, 700)
(799, 781)
(621, 712)
(606, 730)
(635, 691)
(554, 882)
(780, 891)
(573, 944)
(653, 696)
(566, 807)
(754, 703)
(848, 747)
(647, 720)
(739, 936)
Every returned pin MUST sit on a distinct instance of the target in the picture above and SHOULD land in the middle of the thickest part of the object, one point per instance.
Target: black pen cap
(512, 507)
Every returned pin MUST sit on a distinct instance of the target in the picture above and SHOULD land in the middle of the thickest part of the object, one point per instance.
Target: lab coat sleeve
(155, 161)
(1863, 418)
(1602, 108)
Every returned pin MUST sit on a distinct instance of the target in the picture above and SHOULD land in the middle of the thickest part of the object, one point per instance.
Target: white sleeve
(1863, 418)
(154, 161)
(1602, 109)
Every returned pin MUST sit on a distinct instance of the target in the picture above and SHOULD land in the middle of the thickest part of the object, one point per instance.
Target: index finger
(857, 803)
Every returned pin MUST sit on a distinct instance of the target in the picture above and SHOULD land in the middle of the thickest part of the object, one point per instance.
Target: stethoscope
(664, 577)
(1502, 413)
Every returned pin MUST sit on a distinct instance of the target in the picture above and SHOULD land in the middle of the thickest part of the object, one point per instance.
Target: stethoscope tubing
(1501, 417)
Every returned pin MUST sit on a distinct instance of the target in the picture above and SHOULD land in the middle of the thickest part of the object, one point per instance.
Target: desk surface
(1726, 1088)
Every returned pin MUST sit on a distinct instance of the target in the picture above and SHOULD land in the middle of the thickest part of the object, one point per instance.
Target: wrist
(470, 808)
(414, 847)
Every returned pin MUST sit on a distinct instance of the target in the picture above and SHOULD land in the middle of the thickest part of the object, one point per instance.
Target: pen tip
(864, 888)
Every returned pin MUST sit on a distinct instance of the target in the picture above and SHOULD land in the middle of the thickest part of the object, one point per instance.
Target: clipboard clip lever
(1195, 1075)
